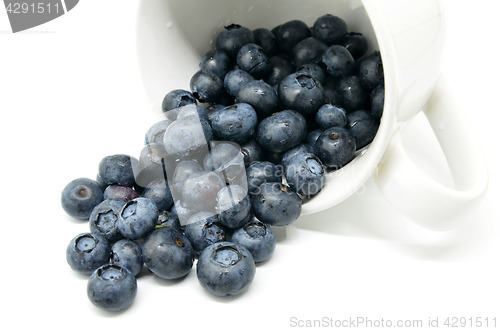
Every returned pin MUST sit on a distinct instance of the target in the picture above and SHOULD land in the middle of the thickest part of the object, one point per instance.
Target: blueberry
(202, 230)
(158, 191)
(253, 59)
(118, 169)
(363, 126)
(187, 137)
(276, 204)
(335, 147)
(258, 238)
(314, 70)
(137, 218)
(236, 123)
(274, 157)
(252, 152)
(192, 110)
(260, 95)
(305, 174)
(312, 137)
(233, 206)
(329, 115)
(153, 161)
(309, 50)
(332, 96)
(353, 95)
(330, 29)
(182, 212)
(117, 192)
(168, 253)
(103, 220)
(80, 196)
(235, 79)
(212, 110)
(338, 61)
(232, 38)
(290, 33)
(112, 288)
(301, 92)
(206, 86)
(87, 252)
(226, 160)
(267, 40)
(225, 269)
(127, 254)
(356, 44)
(377, 101)
(156, 132)
(200, 191)
(262, 172)
(281, 131)
(216, 61)
(302, 148)
(371, 71)
(274, 30)
(181, 173)
(280, 68)
(175, 99)
(168, 219)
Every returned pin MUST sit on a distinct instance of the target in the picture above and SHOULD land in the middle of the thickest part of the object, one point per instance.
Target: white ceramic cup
(172, 35)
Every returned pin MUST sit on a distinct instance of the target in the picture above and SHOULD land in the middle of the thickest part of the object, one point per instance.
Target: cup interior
(172, 36)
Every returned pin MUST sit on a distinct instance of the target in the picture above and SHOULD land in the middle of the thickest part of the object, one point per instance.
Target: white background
(71, 94)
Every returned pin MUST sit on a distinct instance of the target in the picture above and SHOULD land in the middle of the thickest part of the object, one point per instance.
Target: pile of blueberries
(282, 108)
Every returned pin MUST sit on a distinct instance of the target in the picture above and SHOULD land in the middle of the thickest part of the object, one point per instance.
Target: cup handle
(417, 196)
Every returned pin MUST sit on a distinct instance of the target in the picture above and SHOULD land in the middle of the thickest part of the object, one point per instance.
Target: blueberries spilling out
(268, 116)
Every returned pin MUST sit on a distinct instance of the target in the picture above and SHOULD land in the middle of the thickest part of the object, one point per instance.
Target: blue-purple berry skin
(112, 288)
(258, 238)
(117, 192)
(363, 126)
(87, 252)
(127, 254)
(338, 61)
(203, 229)
(168, 253)
(118, 169)
(335, 147)
(233, 205)
(262, 172)
(305, 174)
(235, 79)
(330, 29)
(282, 131)
(329, 115)
(104, 220)
(216, 61)
(276, 204)
(225, 269)
(137, 218)
(377, 101)
(371, 71)
(80, 196)
(301, 148)
(236, 123)
(232, 38)
(260, 95)
(175, 99)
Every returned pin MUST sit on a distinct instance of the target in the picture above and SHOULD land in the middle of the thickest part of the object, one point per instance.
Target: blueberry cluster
(268, 115)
